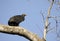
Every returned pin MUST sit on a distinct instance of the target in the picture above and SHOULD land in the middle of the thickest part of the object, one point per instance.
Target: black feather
(15, 20)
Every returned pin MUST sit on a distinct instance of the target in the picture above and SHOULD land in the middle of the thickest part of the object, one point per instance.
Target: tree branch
(15, 30)
(47, 18)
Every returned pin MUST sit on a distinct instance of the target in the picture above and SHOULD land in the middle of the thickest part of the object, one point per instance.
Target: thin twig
(42, 16)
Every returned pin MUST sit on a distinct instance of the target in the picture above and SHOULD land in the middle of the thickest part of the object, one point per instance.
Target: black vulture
(15, 20)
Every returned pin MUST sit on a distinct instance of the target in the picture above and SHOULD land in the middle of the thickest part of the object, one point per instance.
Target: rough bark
(15, 30)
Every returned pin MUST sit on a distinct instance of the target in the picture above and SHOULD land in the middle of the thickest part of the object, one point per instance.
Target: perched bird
(15, 20)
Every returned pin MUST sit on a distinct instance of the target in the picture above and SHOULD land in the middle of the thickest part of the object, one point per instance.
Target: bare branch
(42, 16)
(46, 23)
(50, 29)
(15, 30)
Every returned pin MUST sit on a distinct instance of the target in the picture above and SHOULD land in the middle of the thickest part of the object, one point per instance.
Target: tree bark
(16, 30)
(47, 19)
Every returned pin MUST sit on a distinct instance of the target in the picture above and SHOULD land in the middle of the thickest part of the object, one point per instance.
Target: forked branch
(47, 18)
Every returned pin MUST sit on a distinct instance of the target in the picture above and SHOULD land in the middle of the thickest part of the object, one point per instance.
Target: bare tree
(16, 30)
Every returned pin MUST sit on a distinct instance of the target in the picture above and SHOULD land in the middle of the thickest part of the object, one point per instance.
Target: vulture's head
(23, 14)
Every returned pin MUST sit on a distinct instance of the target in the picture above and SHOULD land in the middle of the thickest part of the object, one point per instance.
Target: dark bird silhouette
(15, 20)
